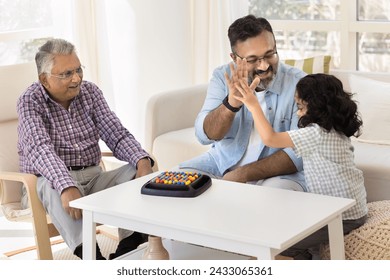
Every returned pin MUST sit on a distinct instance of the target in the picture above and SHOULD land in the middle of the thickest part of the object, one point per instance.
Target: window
(26, 24)
(355, 33)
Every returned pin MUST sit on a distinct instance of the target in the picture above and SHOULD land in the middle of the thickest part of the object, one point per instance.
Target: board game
(177, 184)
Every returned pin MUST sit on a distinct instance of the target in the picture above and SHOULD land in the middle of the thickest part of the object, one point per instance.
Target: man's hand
(237, 73)
(144, 167)
(67, 196)
(246, 92)
(238, 82)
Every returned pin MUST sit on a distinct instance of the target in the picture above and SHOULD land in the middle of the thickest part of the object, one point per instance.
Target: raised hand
(246, 92)
(238, 72)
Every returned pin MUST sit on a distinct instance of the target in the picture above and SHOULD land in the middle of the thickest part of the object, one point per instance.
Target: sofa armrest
(171, 111)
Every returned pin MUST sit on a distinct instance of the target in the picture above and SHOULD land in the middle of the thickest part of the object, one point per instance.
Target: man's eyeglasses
(69, 74)
(253, 60)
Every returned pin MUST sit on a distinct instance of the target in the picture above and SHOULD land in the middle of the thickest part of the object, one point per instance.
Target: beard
(264, 82)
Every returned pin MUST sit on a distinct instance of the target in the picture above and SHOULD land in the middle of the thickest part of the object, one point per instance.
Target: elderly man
(61, 119)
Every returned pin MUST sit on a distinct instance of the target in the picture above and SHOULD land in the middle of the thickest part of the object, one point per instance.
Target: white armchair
(170, 118)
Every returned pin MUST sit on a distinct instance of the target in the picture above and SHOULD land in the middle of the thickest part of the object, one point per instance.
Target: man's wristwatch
(230, 107)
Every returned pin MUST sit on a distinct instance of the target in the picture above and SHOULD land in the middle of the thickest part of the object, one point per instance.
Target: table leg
(336, 239)
(89, 236)
(266, 254)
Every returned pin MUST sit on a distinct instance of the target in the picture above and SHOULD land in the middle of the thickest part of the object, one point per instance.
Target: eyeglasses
(255, 59)
(69, 74)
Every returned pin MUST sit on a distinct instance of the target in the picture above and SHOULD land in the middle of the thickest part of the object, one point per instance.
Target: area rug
(371, 241)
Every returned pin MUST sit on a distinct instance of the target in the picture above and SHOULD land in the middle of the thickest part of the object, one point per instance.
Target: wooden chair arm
(39, 214)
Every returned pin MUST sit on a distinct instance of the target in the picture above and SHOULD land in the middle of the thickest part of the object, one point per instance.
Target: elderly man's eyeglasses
(254, 59)
(69, 74)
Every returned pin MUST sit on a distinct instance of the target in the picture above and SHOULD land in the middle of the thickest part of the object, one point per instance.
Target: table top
(233, 211)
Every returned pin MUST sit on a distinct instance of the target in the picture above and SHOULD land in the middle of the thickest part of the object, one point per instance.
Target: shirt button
(79, 156)
(76, 146)
(70, 126)
(269, 108)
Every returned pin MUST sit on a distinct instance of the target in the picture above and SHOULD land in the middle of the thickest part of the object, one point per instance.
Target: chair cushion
(14, 81)
(9, 191)
(13, 212)
(174, 147)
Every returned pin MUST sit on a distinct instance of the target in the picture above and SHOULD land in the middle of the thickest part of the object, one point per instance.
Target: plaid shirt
(52, 138)
(329, 167)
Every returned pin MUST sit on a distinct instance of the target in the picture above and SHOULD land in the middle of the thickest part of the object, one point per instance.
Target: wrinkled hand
(246, 92)
(67, 196)
(144, 167)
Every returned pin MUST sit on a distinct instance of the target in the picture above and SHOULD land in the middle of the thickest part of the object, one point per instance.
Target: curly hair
(328, 105)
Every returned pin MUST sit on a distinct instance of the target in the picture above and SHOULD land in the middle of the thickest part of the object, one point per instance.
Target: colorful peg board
(177, 184)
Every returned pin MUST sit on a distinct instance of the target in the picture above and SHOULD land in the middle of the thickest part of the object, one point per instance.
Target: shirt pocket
(282, 124)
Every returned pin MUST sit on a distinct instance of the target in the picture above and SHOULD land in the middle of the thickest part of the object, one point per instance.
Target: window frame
(348, 26)
(60, 27)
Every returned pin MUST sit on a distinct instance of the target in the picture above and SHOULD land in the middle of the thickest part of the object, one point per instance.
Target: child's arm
(268, 135)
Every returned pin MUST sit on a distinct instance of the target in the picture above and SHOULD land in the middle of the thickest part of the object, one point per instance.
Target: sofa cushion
(311, 65)
(174, 147)
(374, 161)
(373, 99)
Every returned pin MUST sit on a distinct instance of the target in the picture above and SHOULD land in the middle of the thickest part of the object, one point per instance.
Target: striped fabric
(311, 65)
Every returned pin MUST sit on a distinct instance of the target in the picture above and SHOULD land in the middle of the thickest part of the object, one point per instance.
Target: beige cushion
(13, 212)
(174, 147)
(373, 99)
(15, 80)
(374, 161)
(311, 65)
(9, 191)
(371, 241)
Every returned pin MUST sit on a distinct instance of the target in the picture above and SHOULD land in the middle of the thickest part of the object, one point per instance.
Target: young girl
(328, 117)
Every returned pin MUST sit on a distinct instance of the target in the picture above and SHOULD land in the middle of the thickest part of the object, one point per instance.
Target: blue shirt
(281, 110)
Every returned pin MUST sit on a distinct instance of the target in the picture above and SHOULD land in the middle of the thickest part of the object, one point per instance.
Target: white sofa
(170, 135)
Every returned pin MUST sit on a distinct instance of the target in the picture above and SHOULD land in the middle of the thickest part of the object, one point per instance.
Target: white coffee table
(240, 218)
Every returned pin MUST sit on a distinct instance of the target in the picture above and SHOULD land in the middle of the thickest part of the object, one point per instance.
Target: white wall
(159, 58)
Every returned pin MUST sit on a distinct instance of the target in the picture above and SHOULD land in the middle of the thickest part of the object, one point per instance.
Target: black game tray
(177, 184)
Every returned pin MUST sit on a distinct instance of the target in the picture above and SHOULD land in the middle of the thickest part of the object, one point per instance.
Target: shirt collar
(47, 96)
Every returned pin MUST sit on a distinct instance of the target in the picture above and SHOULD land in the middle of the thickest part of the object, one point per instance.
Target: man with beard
(61, 119)
(237, 152)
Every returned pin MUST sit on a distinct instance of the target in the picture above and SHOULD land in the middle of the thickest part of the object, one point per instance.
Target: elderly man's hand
(67, 196)
(144, 167)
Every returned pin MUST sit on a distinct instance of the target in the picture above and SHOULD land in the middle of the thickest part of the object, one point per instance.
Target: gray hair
(45, 56)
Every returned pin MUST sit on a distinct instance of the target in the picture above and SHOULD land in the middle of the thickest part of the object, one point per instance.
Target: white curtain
(103, 36)
(210, 22)
(178, 47)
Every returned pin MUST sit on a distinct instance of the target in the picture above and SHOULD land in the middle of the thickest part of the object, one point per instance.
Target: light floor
(16, 236)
